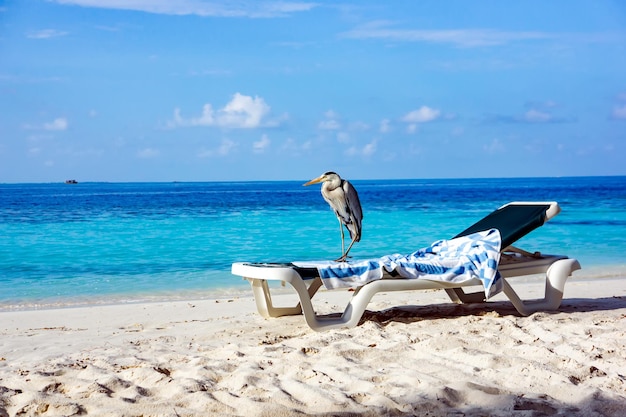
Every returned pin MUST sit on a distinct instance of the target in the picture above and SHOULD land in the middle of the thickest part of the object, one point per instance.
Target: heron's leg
(341, 230)
(350, 247)
(345, 254)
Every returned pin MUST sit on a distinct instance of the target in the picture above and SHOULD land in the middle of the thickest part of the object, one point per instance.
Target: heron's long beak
(314, 181)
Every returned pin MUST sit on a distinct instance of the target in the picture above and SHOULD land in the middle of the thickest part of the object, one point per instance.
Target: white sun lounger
(513, 220)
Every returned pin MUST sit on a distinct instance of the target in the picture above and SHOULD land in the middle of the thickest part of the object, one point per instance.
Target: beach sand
(415, 353)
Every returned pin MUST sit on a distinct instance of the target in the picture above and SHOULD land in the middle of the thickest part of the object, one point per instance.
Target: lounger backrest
(514, 221)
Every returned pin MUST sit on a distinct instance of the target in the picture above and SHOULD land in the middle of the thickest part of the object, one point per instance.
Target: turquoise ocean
(101, 243)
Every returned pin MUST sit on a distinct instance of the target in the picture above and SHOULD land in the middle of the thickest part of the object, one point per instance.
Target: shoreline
(126, 299)
(593, 272)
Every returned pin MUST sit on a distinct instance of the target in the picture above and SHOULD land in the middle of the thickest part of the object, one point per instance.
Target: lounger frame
(514, 263)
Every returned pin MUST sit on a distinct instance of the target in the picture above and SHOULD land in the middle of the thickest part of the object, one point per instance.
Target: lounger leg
(263, 298)
(350, 316)
(459, 296)
(357, 305)
(556, 276)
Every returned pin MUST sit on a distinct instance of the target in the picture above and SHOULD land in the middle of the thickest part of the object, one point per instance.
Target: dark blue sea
(90, 243)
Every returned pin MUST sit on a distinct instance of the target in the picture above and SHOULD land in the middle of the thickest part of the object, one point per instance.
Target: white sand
(431, 358)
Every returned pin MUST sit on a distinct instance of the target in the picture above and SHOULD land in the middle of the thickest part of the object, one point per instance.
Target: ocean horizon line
(305, 179)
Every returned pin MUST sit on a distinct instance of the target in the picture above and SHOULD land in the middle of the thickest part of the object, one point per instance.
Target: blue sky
(194, 90)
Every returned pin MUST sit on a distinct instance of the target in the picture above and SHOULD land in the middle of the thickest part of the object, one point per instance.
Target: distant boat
(71, 182)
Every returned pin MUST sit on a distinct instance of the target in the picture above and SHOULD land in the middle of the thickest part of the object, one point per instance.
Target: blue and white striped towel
(455, 260)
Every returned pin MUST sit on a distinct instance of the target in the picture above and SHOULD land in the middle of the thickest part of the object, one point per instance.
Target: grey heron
(344, 200)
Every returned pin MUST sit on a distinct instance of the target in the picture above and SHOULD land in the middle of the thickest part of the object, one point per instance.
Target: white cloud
(411, 128)
(293, 148)
(536, 116)
(457, 131)
(422, 115)
(343, 137)
(261, 145)
(205, 119)
(148, 153)
(329, 125)
(385, 126)
(26, 79)
(223, 149)
(495, 146)
(226, 147)
(367, 150)
(359, 126)
(331, 122)
(352, 151)
(59, 123)
(458, 37)
(45, 34)
(546, 104)
(242, 112)
(532, 116)
(619, 112)
(249, 9)
(108, 28)
(205, 72)
(290, 145)
(119, 142)
(39, 137)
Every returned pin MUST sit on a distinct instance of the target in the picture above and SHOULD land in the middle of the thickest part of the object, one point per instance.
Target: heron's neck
(332, 184)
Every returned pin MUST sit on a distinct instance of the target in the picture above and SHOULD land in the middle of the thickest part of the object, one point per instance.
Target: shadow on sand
(597, 405)
(408, 314)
